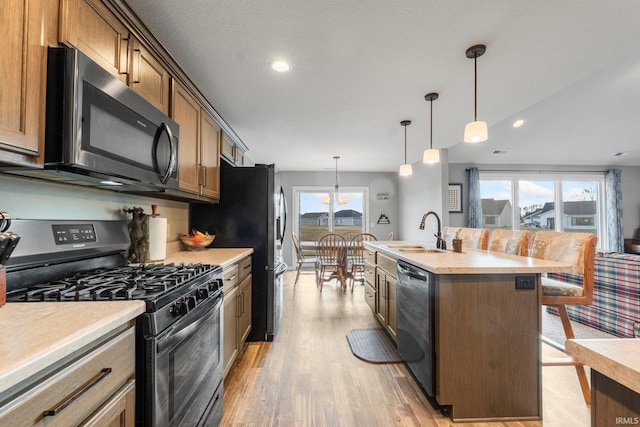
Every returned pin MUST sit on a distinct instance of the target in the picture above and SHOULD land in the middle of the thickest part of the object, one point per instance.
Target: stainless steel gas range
(179, 337)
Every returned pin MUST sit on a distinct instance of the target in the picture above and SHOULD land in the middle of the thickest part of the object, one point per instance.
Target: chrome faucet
(440, 242)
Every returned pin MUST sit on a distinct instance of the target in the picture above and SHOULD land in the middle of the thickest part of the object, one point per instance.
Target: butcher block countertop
(214, 256)
(616, 358)
(469, 261)
(37, 335)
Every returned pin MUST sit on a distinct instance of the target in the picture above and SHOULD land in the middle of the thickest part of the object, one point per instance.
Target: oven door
(185, 387)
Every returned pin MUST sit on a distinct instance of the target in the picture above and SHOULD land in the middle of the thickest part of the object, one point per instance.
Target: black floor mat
(373, 345)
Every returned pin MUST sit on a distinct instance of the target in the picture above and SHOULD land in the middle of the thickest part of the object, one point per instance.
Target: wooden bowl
(192, 243)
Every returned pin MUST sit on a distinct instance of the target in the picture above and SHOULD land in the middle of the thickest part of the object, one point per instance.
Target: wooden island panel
(488, 347)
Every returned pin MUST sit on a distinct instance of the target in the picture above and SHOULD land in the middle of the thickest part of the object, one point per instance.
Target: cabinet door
(392, 307)
(245, 310)
(119, 411)
(92, 28)
(22, 86)
(381, 297)
(148, 77)
(209, 156)
(230, 328)
(228, 148)
(186, 112)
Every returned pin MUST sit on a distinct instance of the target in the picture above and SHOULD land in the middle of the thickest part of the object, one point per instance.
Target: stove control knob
(191, 302)
(180, 308)
(202, 294)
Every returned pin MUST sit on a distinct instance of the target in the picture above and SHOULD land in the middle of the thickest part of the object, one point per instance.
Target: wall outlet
(526, 282)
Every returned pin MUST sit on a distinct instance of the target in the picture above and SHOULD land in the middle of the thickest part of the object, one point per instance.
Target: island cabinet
(29, 27)
(484, 335)
(386, 307)
(237, 309)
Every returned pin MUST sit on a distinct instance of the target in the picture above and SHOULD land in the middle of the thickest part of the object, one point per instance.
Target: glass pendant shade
(475, 132)
(405, 170)
(431, 156)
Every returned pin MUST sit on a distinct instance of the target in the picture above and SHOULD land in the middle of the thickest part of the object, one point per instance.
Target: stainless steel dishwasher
(416, 338)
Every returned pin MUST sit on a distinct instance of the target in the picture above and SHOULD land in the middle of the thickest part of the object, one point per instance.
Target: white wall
(377, 182)
(630, 189)
(35, 199)
(425, 190)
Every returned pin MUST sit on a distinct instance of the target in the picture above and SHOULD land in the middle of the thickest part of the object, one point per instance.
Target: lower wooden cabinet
(237, 309)
(386, 303)
(98, 388)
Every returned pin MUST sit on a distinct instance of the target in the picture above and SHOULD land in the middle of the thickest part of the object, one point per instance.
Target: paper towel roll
(157, 238)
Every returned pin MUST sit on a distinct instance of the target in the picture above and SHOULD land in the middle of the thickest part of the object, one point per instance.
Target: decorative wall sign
(383, 219)
(383, 196)
(455, 198)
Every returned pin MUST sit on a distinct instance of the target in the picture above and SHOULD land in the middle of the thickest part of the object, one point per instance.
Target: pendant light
(432, 155)
(475, 131)
(339, 200)
(405, 169)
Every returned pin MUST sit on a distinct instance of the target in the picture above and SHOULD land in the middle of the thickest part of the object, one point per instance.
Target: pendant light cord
(475, 88)
(431, 127)
(405, 145)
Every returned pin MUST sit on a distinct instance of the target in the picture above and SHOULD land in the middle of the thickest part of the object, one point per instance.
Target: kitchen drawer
(388, 264)
(230, 276)
(244, 268)
(77, 390)
(370, 296)
(370, 255)
(370, 273)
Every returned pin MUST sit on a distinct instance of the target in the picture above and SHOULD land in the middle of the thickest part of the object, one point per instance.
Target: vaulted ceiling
(569, 68)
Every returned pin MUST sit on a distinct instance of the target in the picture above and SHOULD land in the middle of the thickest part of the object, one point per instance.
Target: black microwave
(100, 132)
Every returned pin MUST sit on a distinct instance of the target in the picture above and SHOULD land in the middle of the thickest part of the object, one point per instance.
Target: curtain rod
(539, 171)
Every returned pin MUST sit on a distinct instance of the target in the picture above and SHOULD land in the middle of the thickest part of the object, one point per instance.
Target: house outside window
(562, 202)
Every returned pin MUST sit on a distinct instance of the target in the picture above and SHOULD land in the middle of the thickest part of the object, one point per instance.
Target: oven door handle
(178, 332)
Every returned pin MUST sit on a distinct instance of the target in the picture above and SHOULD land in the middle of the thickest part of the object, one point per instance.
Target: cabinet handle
(203, 175)
(123, 51)
(137, 55)
(55, 411)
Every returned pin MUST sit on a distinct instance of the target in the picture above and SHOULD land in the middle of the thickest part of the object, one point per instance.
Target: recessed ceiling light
(518, 123)
(280, 65)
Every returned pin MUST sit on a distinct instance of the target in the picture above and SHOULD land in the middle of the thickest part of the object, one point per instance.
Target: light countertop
(616, 358)
(37, 335)
(214, 256)
(470, 261)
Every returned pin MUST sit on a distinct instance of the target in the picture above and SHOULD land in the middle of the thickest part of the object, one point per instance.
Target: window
(318, 211)
(544, 201)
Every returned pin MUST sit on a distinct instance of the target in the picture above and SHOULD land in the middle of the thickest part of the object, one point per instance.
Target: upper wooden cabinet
(209, 159)
(199, 147)
(92, 28)
(29, 27)
(232, 152)
(147, 76)
(186, 112)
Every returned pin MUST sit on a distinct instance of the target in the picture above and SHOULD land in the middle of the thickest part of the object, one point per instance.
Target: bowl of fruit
(196, 240)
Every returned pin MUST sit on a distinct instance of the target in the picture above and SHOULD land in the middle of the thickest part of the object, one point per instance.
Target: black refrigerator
(251, 213)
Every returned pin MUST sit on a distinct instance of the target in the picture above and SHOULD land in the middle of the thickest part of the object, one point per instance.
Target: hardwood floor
(308, 376)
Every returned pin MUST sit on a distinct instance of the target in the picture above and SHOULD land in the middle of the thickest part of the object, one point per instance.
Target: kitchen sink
(404, 245)
(421, 250)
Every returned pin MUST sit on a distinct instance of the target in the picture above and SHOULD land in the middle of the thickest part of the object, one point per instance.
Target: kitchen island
(486, 329)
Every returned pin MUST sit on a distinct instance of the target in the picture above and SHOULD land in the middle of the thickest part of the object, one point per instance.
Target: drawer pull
(71, 399)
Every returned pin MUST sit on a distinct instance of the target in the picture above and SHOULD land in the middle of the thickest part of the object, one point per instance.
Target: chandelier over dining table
(340, 200)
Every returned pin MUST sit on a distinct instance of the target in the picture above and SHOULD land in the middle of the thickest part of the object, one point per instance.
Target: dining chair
(303, 259)
(560, 289)
(473, 238)
(355, 257)
(348, 236)
(514, 242)
(330, 252)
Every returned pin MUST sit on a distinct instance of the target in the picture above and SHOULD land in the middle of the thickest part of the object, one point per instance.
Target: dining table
(350, 246)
